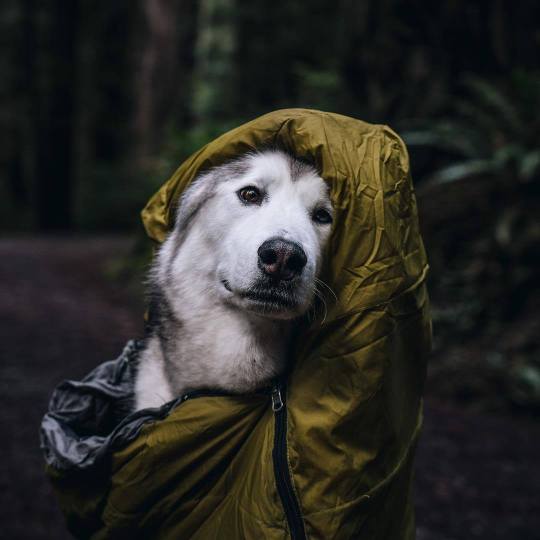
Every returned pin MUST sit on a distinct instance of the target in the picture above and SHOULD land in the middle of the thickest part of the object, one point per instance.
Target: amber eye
(320, 215)
(250, 195)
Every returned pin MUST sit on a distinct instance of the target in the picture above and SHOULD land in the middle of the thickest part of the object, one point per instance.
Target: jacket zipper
(279, 456)
(204, 393)
(281, 465)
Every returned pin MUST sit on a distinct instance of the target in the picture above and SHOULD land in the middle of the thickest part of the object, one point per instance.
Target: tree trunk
(56, 118)
(163, 84)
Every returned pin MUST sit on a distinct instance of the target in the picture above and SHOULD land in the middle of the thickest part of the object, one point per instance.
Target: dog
(239, 267)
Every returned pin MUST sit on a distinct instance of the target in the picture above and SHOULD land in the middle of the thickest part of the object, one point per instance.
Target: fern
(493, 130)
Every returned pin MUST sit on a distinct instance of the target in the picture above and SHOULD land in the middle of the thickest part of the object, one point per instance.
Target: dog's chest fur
(212, 347)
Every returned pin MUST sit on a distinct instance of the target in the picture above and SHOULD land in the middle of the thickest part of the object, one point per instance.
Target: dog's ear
(204, 187)
(194, 197)
(200, 190)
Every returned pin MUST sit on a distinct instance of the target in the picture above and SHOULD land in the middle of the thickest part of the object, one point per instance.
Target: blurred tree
(17, 107)
(56, 108)
(287, 56)
(213, 96)
(165, 70)
(38, 111)
(92, 90)
(106, 108)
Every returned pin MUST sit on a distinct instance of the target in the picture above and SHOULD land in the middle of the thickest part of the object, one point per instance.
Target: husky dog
(239, 266)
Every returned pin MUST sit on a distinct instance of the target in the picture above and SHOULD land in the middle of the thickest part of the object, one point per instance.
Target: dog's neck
(217, 346)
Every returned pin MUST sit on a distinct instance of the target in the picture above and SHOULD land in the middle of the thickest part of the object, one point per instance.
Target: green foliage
(525, 383)
(495, 130)
(180, 143)
(214, 50)
(319, 88)
(483, 239)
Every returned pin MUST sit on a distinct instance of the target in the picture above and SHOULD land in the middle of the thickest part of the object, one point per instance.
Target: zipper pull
(277, 401)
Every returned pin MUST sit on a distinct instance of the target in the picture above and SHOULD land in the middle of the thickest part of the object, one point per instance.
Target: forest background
(100, 101)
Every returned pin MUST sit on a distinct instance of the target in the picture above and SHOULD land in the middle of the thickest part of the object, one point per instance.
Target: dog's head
(252, 233)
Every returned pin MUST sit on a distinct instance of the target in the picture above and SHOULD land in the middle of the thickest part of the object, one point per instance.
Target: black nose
(281, 259)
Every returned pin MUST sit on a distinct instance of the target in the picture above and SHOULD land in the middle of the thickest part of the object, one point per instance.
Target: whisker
(320, 281)
(312, 311)
(320, 296)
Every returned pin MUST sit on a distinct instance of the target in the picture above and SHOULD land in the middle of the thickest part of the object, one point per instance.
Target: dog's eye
(320, 215)
(250, 195)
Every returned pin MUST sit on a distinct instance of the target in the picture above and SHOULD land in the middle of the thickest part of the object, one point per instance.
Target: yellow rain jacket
(327, 453)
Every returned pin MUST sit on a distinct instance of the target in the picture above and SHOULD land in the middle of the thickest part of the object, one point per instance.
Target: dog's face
(258, 227)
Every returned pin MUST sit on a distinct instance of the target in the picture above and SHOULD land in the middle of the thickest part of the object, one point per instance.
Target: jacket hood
(375, 237)
(335, 460)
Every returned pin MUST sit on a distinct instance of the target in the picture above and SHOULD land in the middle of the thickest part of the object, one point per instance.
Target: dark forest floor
(477, 474)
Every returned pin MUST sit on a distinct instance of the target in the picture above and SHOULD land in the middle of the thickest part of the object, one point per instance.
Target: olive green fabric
(353, 396)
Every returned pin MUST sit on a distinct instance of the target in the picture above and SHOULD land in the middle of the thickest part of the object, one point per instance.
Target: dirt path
(477, 475)
(58, 318)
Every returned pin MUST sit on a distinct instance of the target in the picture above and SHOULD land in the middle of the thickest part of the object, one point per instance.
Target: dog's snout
(281, 259)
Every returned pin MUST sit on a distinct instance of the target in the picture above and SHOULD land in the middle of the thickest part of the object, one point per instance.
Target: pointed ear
(201, 189)
(204, 188)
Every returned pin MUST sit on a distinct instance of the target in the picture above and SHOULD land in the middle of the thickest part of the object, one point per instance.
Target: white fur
(213, 337)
